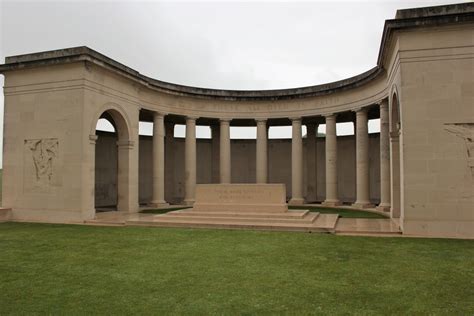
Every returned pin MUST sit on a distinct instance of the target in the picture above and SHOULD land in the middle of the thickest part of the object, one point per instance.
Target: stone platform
(232, 206)
(242, 206)
(291, 221)
(5, 214)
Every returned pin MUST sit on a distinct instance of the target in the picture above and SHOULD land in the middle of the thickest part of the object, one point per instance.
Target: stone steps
(308, 220)
(324, 223)
(269, 218)
(368, 233)
(5, 214)
(286, 215)
(94, 222)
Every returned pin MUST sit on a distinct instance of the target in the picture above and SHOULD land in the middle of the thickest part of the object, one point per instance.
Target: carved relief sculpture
(466, 132)
(43, 151)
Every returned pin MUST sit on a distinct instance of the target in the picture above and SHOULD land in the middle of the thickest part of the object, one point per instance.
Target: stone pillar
(296, 163)
(384, 158)
(362, 160)
(331, 162)
(127, 176)
(395, 187)
(224, 157)
(88, 196)
(169, 163)
(262, 151)
(158, 160)
(190, 161)
(311, 166)
(215, 141)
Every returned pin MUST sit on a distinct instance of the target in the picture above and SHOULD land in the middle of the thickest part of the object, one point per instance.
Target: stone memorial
(419, 170)
(243, 206)
(269, 198)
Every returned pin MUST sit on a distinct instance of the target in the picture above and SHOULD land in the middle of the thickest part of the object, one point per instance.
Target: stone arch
(395, 122)
(117, 116)
(395, 154)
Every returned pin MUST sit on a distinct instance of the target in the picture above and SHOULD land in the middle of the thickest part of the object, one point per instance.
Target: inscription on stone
(241, 197)
(243, 194)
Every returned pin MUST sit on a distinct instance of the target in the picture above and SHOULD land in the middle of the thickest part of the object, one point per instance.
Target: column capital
(93, 139)
(261, 120)
(360, 110)
(296, 118)
(330, 115)
(395, 135)
(225, 120)
(383, 104)
(159, 114)
(191, 118)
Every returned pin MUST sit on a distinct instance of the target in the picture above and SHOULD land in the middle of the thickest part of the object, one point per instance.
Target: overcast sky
(225, 45)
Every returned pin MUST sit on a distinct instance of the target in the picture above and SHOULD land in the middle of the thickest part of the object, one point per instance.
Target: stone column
(311, 166)
(395, 187)
(88, 195)
(215, 141)
(262, 155)
(224, 157)
(331, 162)
(190, 161)
(169, 163)
(158, 160)
(296, 163)
(362, 160)
(384, 158)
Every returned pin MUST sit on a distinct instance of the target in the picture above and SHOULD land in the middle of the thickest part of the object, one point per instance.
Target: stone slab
(268, 198)
(324, 223)
(367, 226)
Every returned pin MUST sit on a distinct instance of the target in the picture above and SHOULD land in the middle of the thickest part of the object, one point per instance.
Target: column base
(189, 202)
(158, 204)
(128, 209)
(296, 201)
(363, 204)
(383, 207)
(331, 203)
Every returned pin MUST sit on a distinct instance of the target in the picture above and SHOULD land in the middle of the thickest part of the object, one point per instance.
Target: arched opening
(110, 167)
(395, 152)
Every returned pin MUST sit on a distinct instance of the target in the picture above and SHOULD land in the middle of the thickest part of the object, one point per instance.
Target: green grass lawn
(323, 210)
(67, 269)
(341, 211)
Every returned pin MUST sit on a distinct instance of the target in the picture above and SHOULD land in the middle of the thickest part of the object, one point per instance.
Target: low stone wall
(243, 167)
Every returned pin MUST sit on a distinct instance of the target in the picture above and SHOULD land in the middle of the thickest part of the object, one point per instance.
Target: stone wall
(243, 167)
(436, 103)
(106, 168)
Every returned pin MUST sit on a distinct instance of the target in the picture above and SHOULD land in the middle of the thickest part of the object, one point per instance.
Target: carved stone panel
(466, 132)
(41, 159)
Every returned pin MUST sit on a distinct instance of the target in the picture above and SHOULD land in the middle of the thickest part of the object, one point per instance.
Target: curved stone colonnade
(262, 110)
(61, 95)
